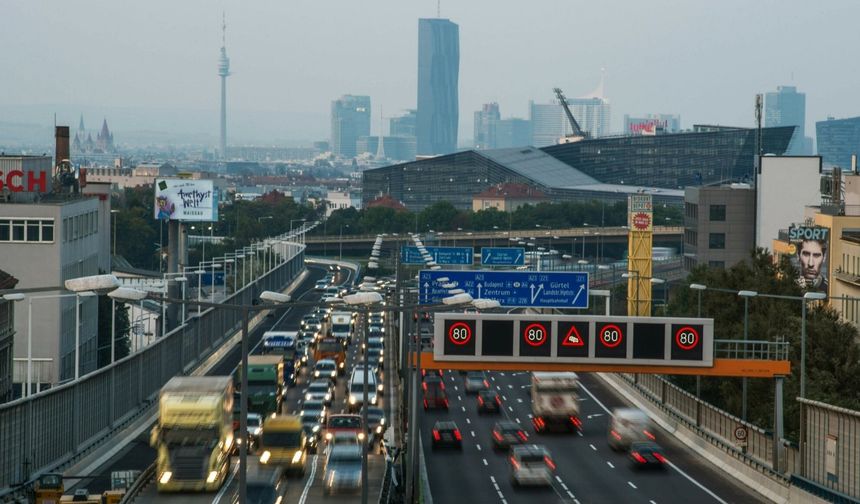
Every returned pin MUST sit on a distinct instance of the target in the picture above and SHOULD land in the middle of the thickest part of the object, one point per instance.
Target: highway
(139, 455)
(588, 471)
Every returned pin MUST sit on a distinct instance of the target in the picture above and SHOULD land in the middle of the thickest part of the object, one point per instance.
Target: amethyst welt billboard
(809, 247)
(185, 200)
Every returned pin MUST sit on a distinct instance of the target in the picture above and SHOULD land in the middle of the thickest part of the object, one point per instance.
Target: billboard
(652, 124)
(640, 212)
(809, 254)
(185, 200)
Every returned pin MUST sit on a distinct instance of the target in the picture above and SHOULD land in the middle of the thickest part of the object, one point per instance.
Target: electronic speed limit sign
(687, 341)
(611, 340)
(535, 337)
(459, 337)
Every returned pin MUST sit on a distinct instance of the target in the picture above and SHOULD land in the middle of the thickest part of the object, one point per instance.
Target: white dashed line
(518, 420)
(455, 387)
(493, 378)
(519, 400)
(634, 487)
(485, 462)
(610, 464)
(510, 386)
(468, 421)
(511, 408)
(580, 434)
(504, 398)
(558, 478)
(473, 433)
(479, 447)
(459, 398)
(592, 446)
(464, 408)
(652, 502)
(530, 415)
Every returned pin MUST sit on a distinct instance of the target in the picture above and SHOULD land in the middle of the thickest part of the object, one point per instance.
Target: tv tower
(223, 72)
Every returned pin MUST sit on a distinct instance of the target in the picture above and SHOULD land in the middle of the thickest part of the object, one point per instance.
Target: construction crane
(577, 134)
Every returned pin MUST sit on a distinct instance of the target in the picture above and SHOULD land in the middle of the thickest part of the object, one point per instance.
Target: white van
(355, 390)
(341, 326)
(628, 426)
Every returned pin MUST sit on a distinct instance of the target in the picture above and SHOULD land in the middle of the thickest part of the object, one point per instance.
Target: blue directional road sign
(510, 288)
(442, 255)
(503, 256)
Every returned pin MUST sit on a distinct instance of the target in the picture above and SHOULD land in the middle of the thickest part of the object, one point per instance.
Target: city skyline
(696, 70)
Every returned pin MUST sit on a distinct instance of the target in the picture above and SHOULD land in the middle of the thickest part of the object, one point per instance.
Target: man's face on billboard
(811, 257)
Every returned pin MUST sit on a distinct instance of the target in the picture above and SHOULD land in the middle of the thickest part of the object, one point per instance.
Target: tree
(122, 344)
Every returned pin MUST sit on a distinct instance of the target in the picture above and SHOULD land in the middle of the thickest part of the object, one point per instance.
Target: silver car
(342, 469)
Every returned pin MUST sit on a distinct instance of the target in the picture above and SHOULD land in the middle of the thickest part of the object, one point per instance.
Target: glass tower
(787, 107)
(350, 119)
(438, 71)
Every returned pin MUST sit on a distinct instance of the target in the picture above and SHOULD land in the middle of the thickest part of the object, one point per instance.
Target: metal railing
(751, 349)
(715, 425)
(52, 428)
(830, 437)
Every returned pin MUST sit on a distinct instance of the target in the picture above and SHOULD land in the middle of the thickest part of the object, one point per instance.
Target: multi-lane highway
(138, 454)
(588, 471)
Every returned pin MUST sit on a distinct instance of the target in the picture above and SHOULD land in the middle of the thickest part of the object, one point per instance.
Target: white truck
(341, 326)
(555, 401)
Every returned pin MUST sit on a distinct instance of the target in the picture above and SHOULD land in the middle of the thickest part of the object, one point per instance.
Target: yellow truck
(194, 433)
(283, 442)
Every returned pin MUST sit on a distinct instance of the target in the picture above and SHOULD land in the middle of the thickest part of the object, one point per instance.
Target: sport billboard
(185, 200)
(809, 247)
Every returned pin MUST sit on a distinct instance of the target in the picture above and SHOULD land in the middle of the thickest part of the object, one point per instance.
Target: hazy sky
(152, 65)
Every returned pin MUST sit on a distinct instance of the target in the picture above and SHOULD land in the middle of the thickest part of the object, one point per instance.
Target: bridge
(100, 424)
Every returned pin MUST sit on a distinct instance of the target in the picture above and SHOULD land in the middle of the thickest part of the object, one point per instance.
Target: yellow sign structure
(640, 222)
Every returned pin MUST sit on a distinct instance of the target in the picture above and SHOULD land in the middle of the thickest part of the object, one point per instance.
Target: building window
(718, 213)
(717, 241)
(27, 230)
(717, 264)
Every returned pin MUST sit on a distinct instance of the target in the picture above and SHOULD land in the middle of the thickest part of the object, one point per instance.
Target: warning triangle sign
(573, 338)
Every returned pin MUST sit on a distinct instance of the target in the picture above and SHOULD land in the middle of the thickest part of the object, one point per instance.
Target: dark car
(434, 393)
(265, 488)
(447, 435)
(476, 382)
(489, 402)
(647, 455)
(507, 433)
(430, 372)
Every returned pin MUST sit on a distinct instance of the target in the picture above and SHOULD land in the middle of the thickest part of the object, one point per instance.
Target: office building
(398, 148)
(838, 140)
(787, 107)
(485, 124)
(513, 132)
(652, 124)
(719, 225)
(403, 125)
(550, 123)
(603, 168)
(350, 119)
(438, 78)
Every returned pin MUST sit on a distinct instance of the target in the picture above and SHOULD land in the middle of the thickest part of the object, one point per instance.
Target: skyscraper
(350, 119)
(838, 139)
(787, 107)
(438, 73)
(486, 121)
(403, 125)
(223, 72)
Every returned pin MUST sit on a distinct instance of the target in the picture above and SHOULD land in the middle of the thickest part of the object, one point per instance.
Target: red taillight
(497, 436)
(522, 435)
(457, 435)
(426, 404)
(486, 384)
(660, 458)
(498, 400)
(445, 401)
(480, 401)
(515, 463)
(650, 436)
(637, 457)
(576, 421)
(425, 386)
(549, 462)
(442, 385)
(616, 435)
(436, 435)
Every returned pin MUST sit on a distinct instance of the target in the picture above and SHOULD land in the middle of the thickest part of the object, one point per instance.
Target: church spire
(81, 124)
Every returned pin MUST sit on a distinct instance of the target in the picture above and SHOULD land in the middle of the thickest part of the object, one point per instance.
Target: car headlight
(316, 373)
(308, 397)
(340, 365)
(264, 458)
(328, 436)
(379, 388)
(361, 436)
(213, 475)
(257, 431)
(316, 428)
(352, 399)
(165, 477)
(328, 397)
(238, 441)
(297, 456)
(379, 429)
(381, 352)
(333, 374)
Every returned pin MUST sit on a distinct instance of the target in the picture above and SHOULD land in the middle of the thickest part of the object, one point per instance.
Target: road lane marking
(485, 461)
(455, 387)
(504, 398)
(518, 420)
(673, 466)
(651, 502)
(610, 464)
(464, 408)
(510, 408)
(459, 398)
(310, 482)
(479, 447)
(519, 399)
(473, 433)
(632, 485)
(592, 446)
(468, 421)
(226, 485)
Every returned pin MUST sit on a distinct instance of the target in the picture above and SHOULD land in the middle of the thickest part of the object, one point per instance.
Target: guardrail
(55, 427)
(715, 425)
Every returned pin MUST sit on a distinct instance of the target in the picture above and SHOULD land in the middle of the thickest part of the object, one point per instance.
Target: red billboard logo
(642, 221)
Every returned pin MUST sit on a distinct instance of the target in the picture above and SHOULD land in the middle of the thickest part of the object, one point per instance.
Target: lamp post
(746, 294)
(808, 296)
(86, 286)
(113, 216)
(699, 288)
(635, 275)
(660, 281)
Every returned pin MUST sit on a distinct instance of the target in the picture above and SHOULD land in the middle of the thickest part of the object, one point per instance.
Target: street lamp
(125, 294)
(85, 287)
(699, 288)
(113, 216)
(808, 296)
(746, 294)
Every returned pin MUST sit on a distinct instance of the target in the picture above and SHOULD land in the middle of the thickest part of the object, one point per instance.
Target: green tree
(122, 343)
